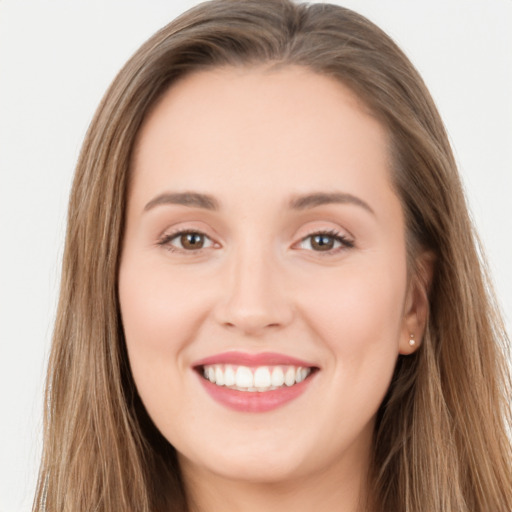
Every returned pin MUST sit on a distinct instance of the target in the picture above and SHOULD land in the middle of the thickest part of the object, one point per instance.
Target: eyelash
(165, 241)
(345, 242)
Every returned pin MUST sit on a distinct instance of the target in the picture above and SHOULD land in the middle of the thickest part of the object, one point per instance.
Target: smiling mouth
(254, 379)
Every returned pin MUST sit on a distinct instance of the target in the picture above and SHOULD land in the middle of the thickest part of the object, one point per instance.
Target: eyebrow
(302, 202)
(321, 198)
(192, 199)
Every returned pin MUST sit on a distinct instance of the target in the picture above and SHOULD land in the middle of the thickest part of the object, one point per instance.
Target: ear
(416, 308)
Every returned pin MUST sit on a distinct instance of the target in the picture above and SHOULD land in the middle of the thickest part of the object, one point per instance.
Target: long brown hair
(441, 440)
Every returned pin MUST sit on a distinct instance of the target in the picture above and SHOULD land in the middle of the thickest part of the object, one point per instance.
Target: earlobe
(416, 311)
(410, 343)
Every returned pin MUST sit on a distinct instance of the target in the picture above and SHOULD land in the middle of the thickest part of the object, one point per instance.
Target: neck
(340, 489)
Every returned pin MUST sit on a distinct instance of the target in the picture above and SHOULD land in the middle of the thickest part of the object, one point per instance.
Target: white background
(56, 60)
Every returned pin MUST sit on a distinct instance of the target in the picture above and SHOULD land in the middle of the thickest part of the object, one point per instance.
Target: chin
(254, 465)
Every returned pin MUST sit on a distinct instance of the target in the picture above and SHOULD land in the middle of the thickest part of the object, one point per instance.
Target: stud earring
(412, 341)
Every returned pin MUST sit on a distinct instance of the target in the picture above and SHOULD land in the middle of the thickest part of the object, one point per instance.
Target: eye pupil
(322, 242)
(192, 241)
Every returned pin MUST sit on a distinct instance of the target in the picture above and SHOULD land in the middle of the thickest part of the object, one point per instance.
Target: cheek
(359, 298)
(160, 311)
(357, 311)
(358, 320)
(160, 307)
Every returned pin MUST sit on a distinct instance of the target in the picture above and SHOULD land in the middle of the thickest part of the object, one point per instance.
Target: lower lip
(255, 401)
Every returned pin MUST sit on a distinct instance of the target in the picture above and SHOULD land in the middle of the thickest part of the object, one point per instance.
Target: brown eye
(191, 241)
(186, 241)
(326, 242)
(322, 242)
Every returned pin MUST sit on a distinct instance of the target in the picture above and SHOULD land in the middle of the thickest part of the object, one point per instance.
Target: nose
(254, 300)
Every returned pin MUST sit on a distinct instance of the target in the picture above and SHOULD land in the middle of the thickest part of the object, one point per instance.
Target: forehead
(259, 129)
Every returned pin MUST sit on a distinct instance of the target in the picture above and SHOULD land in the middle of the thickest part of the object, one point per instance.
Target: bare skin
(291, 240)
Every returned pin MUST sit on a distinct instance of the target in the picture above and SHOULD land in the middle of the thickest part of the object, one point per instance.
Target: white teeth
(277, 377)
(244, 377)
(301, 374)
(262, 378)
(219, 376)
(289, 376)
(229, 376)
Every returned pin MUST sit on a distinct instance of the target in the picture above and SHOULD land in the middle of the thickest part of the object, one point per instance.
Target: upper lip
(247, 359)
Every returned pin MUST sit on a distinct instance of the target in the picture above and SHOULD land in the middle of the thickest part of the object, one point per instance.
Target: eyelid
(165, 239)
(345, 241)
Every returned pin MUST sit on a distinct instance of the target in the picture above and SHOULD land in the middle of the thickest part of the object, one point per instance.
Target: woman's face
(263, 281)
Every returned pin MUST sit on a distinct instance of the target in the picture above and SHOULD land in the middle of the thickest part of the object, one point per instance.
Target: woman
(271, 295)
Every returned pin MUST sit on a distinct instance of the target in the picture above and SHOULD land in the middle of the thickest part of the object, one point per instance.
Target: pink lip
(246, 359)
(253, 401)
